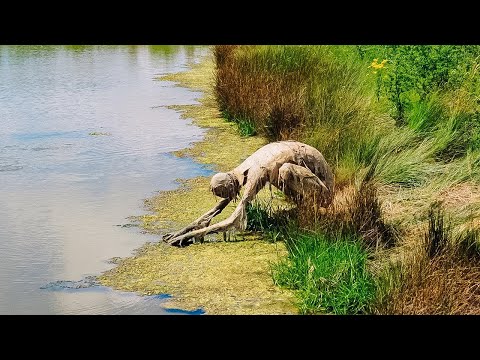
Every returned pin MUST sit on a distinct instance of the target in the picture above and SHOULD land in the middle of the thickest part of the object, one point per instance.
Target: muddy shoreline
(220, 277)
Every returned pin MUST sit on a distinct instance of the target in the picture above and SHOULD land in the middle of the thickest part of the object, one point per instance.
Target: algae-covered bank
(220, 277)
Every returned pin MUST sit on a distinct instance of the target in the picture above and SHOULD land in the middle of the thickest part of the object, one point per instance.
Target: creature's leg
(202, 222)
(237, 220)
(297, 182)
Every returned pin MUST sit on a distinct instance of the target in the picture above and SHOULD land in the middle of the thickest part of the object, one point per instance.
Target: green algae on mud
(95, 133)
(222, 277)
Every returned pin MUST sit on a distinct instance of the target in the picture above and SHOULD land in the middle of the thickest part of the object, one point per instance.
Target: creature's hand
(174, 238)
(179, 241)
(184, 238)
(167, 236)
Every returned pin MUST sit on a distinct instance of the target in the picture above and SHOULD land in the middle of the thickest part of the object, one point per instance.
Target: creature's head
(225, 185)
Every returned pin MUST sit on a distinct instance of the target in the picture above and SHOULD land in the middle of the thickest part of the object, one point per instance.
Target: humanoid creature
(297, 169)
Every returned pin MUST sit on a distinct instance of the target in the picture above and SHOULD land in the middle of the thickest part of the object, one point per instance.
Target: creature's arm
(236, 220)
(202, 222)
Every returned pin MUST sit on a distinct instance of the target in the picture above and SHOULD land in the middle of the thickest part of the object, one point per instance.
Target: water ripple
(10, 167)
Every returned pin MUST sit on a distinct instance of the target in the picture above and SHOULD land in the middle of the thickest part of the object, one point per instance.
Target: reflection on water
(64, 190)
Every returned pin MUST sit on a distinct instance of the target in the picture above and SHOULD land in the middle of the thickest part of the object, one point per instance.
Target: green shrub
(412, 72)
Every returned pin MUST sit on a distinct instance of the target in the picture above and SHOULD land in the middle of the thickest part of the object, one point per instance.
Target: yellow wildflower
(376, 65)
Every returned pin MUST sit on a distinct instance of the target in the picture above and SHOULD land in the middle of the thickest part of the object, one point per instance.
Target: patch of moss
(99, 134)
(221, 277)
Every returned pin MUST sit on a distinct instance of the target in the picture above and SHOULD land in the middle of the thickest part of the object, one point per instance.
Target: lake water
(65, 190)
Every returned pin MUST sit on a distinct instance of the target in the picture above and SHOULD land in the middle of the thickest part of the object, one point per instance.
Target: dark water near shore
(84, 137)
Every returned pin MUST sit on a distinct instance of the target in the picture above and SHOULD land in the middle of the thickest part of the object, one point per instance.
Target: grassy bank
(400, 125)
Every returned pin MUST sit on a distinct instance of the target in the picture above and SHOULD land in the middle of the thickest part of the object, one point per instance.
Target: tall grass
(328, 272)
(439, 276)
(359, 212)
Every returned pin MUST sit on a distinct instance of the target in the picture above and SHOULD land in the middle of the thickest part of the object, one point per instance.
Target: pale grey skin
(297, 169)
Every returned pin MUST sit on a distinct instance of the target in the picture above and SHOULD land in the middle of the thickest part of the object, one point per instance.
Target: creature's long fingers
(167, 236)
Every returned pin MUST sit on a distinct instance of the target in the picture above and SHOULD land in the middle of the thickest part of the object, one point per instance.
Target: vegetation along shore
(400, 127)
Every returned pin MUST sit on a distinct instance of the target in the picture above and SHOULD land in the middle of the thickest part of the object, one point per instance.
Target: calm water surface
(63, 191)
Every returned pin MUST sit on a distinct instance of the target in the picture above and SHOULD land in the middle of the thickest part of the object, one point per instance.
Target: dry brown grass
(408, 207)
(462, 201)
(446, 284)
(275, 103)
(355, 211)
(460, 195)
(438, 276)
